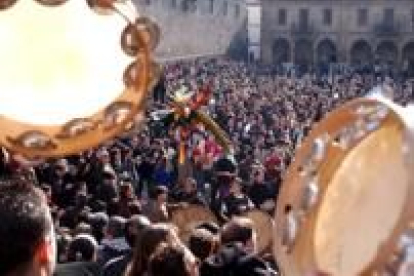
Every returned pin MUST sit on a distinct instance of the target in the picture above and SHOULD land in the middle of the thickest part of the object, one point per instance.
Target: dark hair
(25, 221)
(82, 249)
(134, 208)
(98, 222)
(210, 226)
(124, 189)
(238, 229)
(146, 244)
(62, 242)
(168, 259)
(134, 228)
(202, 243)
(159, 190)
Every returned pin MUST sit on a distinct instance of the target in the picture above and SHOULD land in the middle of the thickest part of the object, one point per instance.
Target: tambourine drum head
(263, 224)
(362, 204)
(62, 76)
(189, 218)
(346, 201)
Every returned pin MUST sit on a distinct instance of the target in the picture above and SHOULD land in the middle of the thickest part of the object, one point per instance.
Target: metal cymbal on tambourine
(347, 201)
(73, 73)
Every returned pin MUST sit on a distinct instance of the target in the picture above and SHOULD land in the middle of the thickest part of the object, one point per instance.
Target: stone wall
(197, 27)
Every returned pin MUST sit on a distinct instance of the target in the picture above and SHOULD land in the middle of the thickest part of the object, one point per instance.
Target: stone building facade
(357, 32)
(198, 27)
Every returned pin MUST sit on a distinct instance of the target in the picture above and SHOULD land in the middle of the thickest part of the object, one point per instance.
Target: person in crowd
(173, 260)
(237, 255)
(63, 239)
(188, 193)
(146, 245)
(72, 215)
(98, 222)
(261, 192)
(82, 254)
(108, 190)
(203, 243)
(156, 208)
(27, 236)
(134, 228)
(225, 172)
(126, 199)
(237, 202)
(114, 243)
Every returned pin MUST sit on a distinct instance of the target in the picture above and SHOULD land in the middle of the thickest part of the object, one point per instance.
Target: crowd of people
(108, 210)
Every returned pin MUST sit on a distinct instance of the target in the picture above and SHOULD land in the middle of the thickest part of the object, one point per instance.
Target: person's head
(116, 227)
(146, 244)
(236, 186)
(134, 207)
(103, 156)
(160, 194)
(81, 200)
(27, 238)
(134, 228)
(83, 248)
(202, 243)
(109, 176)
(258, 174)
(63, 240)
(98, 222)
(172, 260)
(47, 190)
(61, 167)
(190, 185)
(210, 226)
(83, 228)
(126, 191)
(239, 230)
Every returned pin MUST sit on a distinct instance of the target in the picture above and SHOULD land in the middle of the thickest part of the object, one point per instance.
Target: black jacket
(78, 269)
(233, 260)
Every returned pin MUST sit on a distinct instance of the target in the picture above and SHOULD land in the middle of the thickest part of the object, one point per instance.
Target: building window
(362, 17)
(282, 17)
(225, 7)
(237, 11)
(303, 18)
(185, 6)
(211, 6)
(327, 17)
(147, 2)
(173, 3)
(389, 17)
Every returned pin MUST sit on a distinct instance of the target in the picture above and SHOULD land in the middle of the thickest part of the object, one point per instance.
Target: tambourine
(347, 200)
(264, 226)
(188, 218)
(73, 73)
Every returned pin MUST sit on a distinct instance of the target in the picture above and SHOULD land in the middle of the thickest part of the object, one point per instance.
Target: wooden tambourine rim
(270, 223)
(55, 140)
(301, 259)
